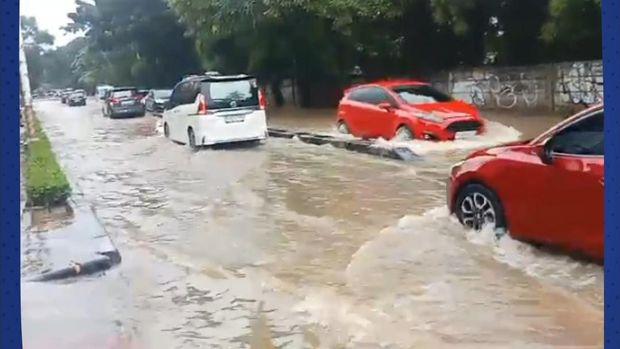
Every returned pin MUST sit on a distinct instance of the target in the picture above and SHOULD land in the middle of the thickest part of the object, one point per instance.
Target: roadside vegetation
(46, 183)
(317, 43)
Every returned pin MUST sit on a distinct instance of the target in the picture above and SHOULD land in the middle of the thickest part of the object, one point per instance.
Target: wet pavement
(292, 245)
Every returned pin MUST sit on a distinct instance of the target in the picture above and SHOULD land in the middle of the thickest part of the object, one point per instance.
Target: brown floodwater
(289, 245)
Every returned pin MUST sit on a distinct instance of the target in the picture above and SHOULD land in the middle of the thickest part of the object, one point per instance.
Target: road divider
(354, 145)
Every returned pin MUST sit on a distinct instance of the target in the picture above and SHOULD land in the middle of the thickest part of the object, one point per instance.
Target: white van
(213, 109)
(101, 91)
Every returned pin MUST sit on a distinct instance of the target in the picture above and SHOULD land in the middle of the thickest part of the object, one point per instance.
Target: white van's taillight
(202, 105)
(262, 101)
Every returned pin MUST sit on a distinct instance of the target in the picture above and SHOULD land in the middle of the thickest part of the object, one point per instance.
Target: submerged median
(46, 183)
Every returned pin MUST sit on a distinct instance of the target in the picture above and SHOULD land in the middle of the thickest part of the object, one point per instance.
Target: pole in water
(25, 85)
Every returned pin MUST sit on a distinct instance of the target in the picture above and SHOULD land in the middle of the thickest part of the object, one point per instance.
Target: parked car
(156, 99)
(77, 97)
(406, 110)
(64, 94)
(123, 102)
(548, 190)
(211, 109)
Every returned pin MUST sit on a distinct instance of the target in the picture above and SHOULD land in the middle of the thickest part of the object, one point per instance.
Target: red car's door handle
(602, 181)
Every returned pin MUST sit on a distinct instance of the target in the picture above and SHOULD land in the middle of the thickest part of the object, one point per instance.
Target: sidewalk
(62, 242)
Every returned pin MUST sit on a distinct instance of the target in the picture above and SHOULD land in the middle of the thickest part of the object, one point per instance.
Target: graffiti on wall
(492, 91)
(580, 83)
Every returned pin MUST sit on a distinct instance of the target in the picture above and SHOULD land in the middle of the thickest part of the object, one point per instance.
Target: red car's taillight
(202, 105)
(262, 100)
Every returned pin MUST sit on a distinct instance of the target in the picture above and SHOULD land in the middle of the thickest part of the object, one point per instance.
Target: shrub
(46, 183)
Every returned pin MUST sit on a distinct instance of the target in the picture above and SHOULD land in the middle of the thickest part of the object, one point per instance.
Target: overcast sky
(50, 15)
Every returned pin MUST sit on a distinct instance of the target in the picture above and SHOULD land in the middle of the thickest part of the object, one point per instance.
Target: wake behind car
(212, 109)
(123, 102)
(406, 110)
(77, 97)
(156, 100)
(558, 198)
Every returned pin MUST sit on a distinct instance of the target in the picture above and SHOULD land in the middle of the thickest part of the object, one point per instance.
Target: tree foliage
(36, 42)
(317, 42)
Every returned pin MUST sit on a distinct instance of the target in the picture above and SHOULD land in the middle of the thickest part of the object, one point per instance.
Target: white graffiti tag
(581, 84)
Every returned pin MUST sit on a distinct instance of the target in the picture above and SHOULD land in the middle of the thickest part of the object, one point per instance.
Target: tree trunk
(277, 92)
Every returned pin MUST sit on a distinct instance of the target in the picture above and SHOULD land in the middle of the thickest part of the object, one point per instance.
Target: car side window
(372, 95)
(585, 137)
(359, 95)
(180, 94)
(377, 95)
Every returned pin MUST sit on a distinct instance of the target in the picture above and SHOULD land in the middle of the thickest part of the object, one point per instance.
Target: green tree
(138, 42)
(36, 42)
(573, 30)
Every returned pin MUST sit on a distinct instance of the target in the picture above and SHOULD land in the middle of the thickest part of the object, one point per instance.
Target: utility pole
(25, 85)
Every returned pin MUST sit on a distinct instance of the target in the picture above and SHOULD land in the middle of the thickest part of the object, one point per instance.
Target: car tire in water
(477, 206)
(343, 128)
(191, 139)
(403, 134)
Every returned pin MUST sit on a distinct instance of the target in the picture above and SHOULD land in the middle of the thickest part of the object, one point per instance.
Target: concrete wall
(558, 87)
(543, 87)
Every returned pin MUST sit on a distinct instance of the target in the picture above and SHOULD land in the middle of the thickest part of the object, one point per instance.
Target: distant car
(548, 190)
(77, 97)
(406, 110)
(102, 90)
(142, 95)
(122, 102)
(156, 100)
(211, 109)
(64, 94)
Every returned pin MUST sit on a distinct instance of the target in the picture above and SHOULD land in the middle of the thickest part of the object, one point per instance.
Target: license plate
(126, 103)
(465, 135)
(234, 119)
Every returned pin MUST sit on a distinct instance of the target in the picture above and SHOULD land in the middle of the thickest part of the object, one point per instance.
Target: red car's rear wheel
(403, 134)
(343, 128)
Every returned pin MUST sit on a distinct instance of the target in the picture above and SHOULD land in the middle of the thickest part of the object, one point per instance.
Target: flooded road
(291, 245)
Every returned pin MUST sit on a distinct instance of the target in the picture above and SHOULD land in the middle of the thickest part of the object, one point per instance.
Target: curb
(353, 145)
(107, 254)
(98, 265)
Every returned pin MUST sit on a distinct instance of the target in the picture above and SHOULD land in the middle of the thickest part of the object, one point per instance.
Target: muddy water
(297, 246)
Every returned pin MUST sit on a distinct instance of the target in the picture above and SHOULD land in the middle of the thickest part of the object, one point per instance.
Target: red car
(548, 190)
(405, 110)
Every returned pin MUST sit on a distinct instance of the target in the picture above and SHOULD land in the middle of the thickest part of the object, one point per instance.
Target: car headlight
(429, 117)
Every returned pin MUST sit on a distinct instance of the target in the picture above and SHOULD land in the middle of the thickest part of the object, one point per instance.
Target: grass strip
(46, 183)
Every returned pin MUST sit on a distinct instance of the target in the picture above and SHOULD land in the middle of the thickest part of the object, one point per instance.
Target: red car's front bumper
(451, 129)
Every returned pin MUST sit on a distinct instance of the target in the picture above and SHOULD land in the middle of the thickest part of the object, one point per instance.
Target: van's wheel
(191, 139)
(343, 128)
(477, 206)
(166, 131)
(403, 134)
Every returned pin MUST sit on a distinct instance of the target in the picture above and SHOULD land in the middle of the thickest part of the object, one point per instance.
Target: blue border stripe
(611, 69)
(10, 310)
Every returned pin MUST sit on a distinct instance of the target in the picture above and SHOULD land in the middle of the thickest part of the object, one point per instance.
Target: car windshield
(162, 94)
(77, 94)
(231, 94)
(124, 93)
(420, 94)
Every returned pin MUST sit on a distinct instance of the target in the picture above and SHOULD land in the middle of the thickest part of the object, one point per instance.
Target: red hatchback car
(548, 190)
(405, 110)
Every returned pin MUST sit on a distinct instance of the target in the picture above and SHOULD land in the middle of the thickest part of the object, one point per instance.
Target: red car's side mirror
(545, 152)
